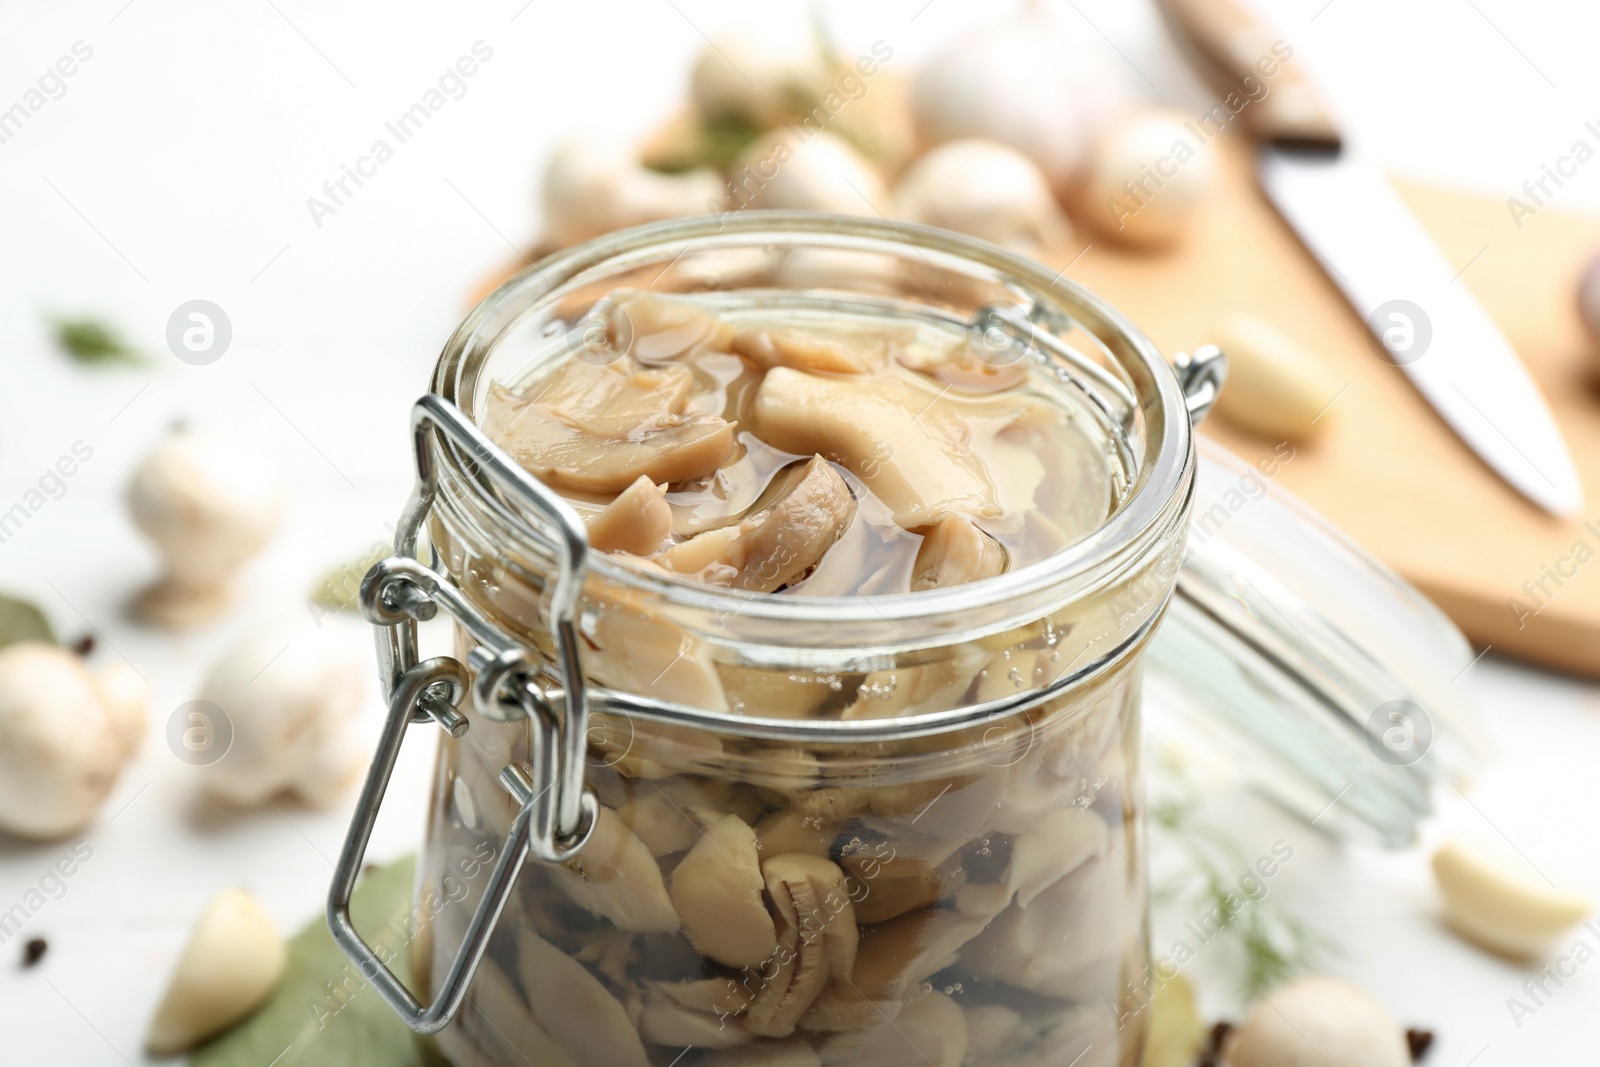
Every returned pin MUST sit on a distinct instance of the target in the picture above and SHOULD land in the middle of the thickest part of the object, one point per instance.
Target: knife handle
(1252, 68)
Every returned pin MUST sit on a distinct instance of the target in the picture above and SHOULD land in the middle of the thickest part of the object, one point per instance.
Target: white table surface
(177, 165)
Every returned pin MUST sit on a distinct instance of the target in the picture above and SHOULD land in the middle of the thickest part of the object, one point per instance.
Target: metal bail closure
(1201, 376)
(557, 812)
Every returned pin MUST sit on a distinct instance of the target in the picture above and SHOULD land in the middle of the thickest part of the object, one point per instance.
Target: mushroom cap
(208, 504)
(287, 695)
(986, 189)
(1021, 81)
(594, 184)
(1317, 1021)
(759, 72)
(60, 750)
(819, 172)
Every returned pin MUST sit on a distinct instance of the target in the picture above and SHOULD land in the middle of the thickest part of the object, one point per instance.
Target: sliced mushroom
(669, 815)
(1068, 943)
(589, 1024)
(790, 830)
(655, 328)
(961, 367)
(930, 1032)
(502, 1025)
(955, 552)
(712, 996)
(887, 884)
(817, 939)
(896, 956)
(778, 543)
(912, 446)
(790, 1053)
(717, 893)
(1057, 845)
(616, 877)
(810, 350)
(630, 429)
(609, 952)
(637, 521)
(663, 1021)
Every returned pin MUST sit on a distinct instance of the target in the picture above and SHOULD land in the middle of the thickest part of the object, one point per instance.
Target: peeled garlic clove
(232, 962)
(1318, 1021)
(717, 892)
(1498, 905)
(820, 173)
(985, 189)
(1275, 386)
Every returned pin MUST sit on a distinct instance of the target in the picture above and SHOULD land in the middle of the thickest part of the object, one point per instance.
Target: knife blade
(1388, 268)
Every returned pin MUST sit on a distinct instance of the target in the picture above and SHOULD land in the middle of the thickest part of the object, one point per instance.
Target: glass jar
(780, 830)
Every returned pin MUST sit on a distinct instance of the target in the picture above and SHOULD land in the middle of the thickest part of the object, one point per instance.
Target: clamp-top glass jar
(780, 829)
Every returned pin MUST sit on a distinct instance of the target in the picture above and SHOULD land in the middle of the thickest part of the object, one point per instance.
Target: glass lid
(1296, 662)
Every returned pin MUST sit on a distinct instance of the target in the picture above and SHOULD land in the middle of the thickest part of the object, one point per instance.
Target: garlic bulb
(759, 73)
(594, 185)
(287, 697)
(232, 962)
(1020, 80)
(208, 504)
(1318, 1021)
(64, 737)
(819, 172)
(1148, 176)
(985, 189)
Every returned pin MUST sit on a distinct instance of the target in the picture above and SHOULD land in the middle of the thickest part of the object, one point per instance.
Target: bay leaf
(310, 1023)
(22, 621)
(93, 342)
(1177, 1034)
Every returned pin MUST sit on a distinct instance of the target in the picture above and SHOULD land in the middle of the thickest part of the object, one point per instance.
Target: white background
(177, 166)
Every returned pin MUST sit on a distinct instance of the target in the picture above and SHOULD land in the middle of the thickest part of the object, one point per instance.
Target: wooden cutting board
(1387, 470)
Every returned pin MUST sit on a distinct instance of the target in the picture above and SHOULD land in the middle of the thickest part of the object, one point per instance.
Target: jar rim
(1163, 473)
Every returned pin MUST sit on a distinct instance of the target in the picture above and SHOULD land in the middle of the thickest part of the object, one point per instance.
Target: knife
(1376, 252)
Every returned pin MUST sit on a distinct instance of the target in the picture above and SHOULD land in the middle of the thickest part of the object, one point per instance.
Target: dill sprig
(1274, 944)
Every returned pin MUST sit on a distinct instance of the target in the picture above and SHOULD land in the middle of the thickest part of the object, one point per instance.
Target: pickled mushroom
(597, 429)
(912, 448)
(955, 551)
(717, 891)
(778, 543)
(808, 350)
(817, 939)
(574, 1008)
(615, 876)
(636, 522)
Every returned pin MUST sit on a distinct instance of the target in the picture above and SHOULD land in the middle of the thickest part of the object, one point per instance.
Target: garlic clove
(1276, 387)
(232, 962)
(1497, 905)
(1318, 1021)
(61, 747)
(1147, 177)
(1589, 300)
